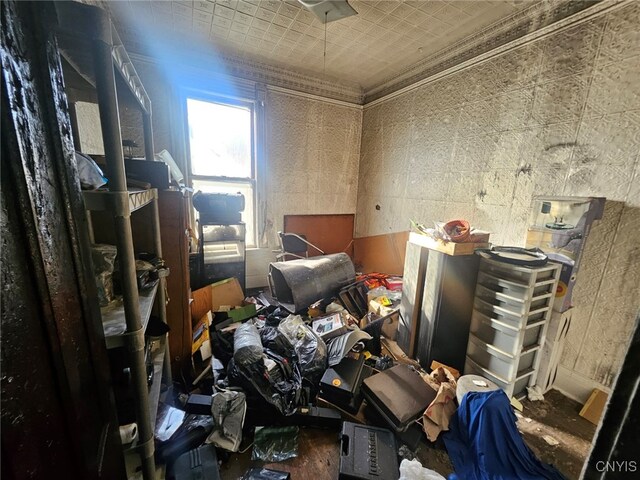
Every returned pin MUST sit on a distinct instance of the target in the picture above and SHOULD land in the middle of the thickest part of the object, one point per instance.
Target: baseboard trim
(576, 386)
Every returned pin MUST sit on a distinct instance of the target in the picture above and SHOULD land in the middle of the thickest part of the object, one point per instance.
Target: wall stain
(560, 146)
(525, 170)
(481, 194)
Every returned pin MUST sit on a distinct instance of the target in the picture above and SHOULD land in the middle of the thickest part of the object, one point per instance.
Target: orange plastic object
(458, 230)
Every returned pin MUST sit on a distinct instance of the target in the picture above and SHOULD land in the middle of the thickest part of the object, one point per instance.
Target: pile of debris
(318, 351)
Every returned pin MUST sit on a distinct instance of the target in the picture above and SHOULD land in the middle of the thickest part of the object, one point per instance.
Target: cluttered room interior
(328, 239)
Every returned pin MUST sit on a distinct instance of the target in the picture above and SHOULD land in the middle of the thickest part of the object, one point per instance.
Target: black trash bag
(286, 380)
(309, 347)
(275, 315)
(240, 378)
(191, 434)
(275, 444)
(276, 341)
(277, 380)
(221, 345)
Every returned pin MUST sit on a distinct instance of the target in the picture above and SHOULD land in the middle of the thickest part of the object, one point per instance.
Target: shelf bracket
(134, 340)
(120, 203)
(146, 449)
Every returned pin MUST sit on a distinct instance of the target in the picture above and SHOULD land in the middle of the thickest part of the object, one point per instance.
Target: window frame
(252, 105)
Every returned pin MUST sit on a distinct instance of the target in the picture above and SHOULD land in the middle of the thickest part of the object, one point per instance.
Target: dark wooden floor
(557, 416)
(318, 457)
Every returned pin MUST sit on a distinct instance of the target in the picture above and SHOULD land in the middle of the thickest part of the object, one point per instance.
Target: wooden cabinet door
(174, 220)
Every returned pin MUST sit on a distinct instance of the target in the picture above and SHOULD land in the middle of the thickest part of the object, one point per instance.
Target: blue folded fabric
(484, 443)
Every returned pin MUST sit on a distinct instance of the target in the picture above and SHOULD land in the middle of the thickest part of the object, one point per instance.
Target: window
(221, 145)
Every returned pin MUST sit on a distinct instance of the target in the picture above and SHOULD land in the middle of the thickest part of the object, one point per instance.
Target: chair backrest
(293, 243)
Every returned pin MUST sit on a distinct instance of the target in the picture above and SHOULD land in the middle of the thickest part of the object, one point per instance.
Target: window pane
(244, 188)
(219, 139)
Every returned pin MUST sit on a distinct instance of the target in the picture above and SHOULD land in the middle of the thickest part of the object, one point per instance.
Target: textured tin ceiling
(366, 50)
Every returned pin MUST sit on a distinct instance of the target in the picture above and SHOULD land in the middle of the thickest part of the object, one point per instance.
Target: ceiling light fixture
(329, 10)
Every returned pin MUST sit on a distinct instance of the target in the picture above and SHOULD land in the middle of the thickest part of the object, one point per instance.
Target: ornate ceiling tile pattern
(385, 37)
(390, 44)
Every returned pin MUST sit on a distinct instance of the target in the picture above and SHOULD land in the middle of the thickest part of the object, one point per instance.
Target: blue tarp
(484, 443)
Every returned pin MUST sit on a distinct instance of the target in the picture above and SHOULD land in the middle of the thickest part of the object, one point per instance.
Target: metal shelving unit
(96, 69)
(155, 388)
(102, 200)
(114, 321)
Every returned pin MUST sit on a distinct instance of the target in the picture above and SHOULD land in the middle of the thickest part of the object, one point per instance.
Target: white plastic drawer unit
(223, 243)
(517, 274)
(223, 252)
(504, 335)
(511, 310)
(514, 289)
(502, 364)
(516, 388)
(501, 312)
(516, 305)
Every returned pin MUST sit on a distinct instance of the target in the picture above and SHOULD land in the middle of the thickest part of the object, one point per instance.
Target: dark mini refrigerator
(436, 308)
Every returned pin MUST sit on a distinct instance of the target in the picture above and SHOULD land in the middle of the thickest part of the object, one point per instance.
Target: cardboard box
(226, 293)
(450, 248)
(390, 325)
(595, 406)
(201, 342)
(380, 253)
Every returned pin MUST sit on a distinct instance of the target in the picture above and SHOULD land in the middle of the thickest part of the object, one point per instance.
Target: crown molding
(297, 93)
(229, 65)
(292, 80)
(249, 73)
(584, 15)
(499, 36)
(507, 30)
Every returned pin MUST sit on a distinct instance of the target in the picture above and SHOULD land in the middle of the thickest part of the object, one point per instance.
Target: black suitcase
(367, 453)
(399, 395)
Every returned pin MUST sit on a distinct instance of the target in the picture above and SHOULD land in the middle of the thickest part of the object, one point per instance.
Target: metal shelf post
(110, 124)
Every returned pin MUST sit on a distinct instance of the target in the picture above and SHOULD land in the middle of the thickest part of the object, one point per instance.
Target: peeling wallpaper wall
(313, 153)
(558, 116)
